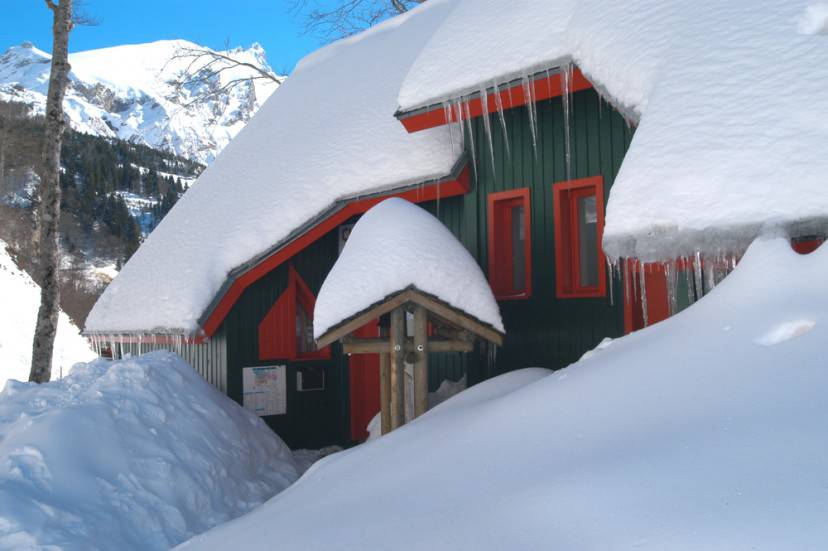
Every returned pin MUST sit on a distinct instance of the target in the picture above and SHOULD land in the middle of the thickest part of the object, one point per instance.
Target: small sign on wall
(264, 390)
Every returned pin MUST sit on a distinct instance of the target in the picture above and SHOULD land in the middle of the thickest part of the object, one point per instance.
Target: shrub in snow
(705, 431)
(133, 454)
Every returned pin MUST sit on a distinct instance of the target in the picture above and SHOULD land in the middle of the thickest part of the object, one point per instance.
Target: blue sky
(208, 22)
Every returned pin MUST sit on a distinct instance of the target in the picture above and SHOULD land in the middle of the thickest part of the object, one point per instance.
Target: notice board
(264, 390)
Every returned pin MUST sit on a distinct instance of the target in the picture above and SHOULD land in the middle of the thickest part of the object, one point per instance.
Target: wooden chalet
(529, 208)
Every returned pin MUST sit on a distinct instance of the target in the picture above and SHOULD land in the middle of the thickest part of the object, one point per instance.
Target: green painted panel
(543, 330)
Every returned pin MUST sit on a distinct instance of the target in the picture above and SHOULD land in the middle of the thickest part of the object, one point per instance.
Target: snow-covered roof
(394, 246)
(729, 99)
(327, 133)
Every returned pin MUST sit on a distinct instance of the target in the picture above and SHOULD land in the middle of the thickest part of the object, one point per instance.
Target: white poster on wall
(264, 390)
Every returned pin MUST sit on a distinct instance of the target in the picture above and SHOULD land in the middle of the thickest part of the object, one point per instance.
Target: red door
(365, 386)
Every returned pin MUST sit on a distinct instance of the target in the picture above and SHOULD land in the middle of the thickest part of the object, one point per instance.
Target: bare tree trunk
(48, 252)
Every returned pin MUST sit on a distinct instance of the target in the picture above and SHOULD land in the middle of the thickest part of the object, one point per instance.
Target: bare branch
(347, 17)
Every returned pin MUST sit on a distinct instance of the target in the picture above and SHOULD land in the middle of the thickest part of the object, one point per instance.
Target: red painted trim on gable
(460, 186)
(543, 88)
(277, 330)
(499, 241)
(567, 267)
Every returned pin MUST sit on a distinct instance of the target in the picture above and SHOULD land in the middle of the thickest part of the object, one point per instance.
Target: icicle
(691, 293)
(710, 273)
(471, 138)
(611, 280)
(530, 108)
(643, 282)
(502, 117)
(567, 113)
(671, 275)
(697, 267)
(627, 277)
(487, 126)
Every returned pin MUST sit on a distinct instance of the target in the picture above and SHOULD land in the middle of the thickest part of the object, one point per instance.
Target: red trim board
(543, 87)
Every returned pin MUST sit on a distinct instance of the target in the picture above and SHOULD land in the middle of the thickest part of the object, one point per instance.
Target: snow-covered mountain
(130, 92)
(19, 301)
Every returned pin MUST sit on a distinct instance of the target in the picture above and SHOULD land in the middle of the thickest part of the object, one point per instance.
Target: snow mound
(132, 454)
(327, 133)
(786, 331)
(814, 20)
(397, 245)
(680, 436)
(19, 302)
(731, 127)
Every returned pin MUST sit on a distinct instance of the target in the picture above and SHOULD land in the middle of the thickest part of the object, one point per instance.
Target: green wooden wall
(543, 330)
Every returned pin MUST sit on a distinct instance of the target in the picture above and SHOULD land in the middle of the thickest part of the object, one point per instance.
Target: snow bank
(686, 435)
(395, 245)
(729, 98)
(19, 302)
(327, 133)
(133, 454)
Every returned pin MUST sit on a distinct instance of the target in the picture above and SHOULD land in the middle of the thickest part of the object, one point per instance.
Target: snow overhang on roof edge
(455, 174)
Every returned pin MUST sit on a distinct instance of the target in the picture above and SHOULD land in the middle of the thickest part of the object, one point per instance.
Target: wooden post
(385, 387)
(420, 360)
(397, 353)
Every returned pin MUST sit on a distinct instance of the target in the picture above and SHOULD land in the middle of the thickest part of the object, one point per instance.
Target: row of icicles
(120, 346)
(457, 112)
(698, 274)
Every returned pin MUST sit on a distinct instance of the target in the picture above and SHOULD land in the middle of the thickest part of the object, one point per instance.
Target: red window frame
(499, 209)
(277, 330)
(565, 197)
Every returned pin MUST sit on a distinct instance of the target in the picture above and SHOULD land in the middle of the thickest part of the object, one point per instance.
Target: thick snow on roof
(729, 96)
(131, 454)
(705, 431)
(396, 245)
(327, 133)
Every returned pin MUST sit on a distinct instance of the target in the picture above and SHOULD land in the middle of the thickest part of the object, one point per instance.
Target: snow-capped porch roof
(397, 246)
(728, 97)
(326, 134)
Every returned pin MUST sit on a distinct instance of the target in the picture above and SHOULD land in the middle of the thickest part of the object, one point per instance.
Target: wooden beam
(420, 360)
(456, 318)
(355, 323)
(397, 351)
(385, 385)
(380, 346)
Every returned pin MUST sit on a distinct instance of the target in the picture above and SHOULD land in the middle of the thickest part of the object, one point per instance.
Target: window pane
(588, 239)
(304, 331)
(518, 250)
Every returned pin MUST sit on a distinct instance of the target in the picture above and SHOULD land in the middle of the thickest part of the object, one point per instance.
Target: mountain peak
(129, 92)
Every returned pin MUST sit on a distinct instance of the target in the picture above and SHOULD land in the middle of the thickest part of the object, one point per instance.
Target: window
(510, 244)
(286, 332)
(579, 225)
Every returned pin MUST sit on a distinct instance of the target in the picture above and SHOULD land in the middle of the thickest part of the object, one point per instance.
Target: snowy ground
(706, 431)
(19, 301)
(133, 454)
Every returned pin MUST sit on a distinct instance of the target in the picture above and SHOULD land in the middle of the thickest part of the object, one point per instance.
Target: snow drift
(686, 435)
(19, 302)
(395, 245)
(133, 454)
